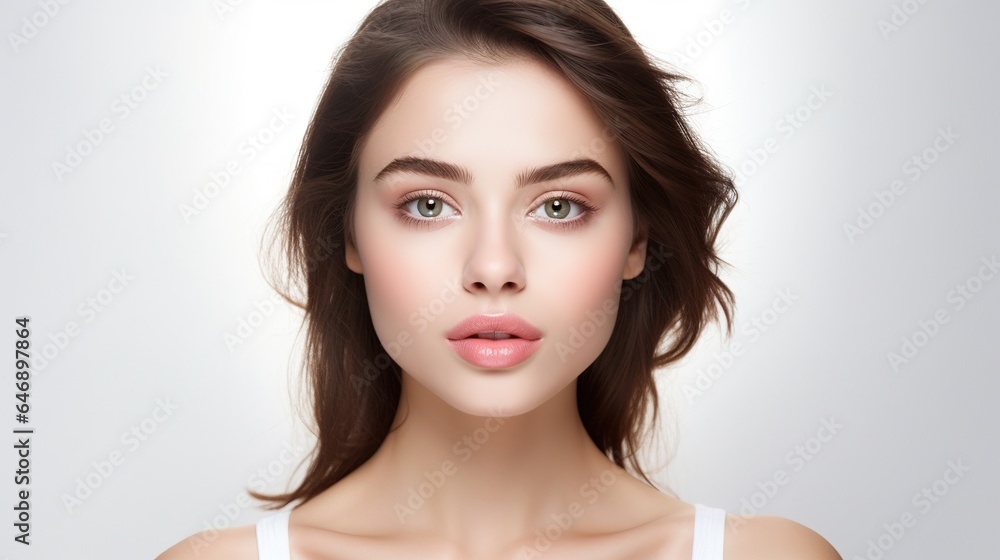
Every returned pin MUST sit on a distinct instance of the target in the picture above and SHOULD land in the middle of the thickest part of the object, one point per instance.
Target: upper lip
(508, 323)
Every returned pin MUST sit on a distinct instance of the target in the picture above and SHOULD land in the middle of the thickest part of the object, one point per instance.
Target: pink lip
(508, 323)
(488, 353)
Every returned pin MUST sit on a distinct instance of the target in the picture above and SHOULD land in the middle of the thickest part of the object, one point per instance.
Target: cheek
(403, 282)
(579, 291)
(389, 297)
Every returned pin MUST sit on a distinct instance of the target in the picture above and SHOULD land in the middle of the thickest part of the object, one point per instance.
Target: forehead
(495, 118)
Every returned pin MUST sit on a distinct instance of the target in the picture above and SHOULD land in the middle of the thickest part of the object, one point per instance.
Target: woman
(528, 231)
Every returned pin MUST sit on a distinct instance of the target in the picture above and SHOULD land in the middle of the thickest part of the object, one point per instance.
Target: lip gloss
(495, 354)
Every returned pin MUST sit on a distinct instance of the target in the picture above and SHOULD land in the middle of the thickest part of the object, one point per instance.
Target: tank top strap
(272, 537)
(709, 530)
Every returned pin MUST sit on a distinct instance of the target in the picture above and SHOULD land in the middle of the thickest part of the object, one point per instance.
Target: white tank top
(709, 527)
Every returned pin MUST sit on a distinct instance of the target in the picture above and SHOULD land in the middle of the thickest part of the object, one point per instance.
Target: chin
(493, 407)
(500, 395)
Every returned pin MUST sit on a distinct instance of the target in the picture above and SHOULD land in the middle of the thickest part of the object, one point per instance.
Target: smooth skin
(499, 456)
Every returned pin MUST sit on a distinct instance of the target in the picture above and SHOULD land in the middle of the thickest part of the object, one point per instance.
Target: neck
(486, 483)
(506, 477)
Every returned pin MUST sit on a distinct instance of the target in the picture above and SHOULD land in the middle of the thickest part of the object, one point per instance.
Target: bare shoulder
(234, 543)
(776, 538)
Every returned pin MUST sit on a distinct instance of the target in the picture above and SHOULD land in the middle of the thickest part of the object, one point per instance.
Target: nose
(494, 266)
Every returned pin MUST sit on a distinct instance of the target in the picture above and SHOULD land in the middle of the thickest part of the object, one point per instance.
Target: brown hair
(678, 190)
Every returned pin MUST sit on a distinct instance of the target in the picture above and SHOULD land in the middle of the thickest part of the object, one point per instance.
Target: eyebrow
(451, 172)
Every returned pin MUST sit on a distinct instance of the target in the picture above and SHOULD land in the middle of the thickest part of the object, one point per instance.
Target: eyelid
(410, 197)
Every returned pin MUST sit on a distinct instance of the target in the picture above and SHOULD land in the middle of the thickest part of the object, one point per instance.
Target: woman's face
(478, 243)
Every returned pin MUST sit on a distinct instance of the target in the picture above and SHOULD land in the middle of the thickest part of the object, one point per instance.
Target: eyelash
(582, 219)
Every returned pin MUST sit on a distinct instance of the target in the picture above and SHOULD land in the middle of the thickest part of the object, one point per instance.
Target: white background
(160, 339)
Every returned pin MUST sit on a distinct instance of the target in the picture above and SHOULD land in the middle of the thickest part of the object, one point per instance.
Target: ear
(637, 253)
(351, 254)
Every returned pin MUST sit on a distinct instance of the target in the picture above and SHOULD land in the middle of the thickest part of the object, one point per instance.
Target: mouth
(494, 350)
(494, 335)
(502, 326)
(494, 342)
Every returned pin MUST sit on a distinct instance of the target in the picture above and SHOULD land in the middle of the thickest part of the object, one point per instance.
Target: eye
(557, 210)
(425, 204)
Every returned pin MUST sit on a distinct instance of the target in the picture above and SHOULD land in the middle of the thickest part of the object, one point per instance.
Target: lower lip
(495, 354)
